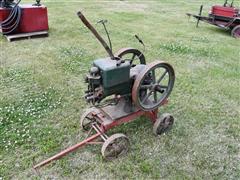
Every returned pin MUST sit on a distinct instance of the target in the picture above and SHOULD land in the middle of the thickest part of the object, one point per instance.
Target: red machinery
(224, 11)
(226, 17)
(132, 88)
(26, 18)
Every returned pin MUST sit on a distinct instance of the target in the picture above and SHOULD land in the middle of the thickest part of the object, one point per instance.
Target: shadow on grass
(220, 31)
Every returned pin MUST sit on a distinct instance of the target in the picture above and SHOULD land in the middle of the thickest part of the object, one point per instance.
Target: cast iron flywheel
(153, 85)
(134, 56)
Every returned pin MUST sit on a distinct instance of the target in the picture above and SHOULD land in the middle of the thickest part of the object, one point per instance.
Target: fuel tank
(33, 18)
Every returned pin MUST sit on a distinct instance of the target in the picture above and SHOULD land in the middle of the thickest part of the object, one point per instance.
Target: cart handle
(96, 34)
(67, 151)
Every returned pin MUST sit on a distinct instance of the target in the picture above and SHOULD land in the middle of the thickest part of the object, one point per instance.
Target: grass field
(42, 88)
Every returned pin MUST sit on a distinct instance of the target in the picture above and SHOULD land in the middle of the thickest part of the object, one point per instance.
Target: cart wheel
(86, 119)
(153, 86)
(132, 55)
(236, 31)
(115, 146)
(163, 124)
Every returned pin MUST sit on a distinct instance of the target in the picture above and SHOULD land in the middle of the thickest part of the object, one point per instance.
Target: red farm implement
(224, 16)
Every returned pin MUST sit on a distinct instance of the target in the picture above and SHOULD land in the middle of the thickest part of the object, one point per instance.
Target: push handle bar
(96, 34)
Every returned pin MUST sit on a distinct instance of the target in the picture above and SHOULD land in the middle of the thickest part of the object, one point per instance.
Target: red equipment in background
(224, 11)
(33, 19)
(226, 17)
(23, 19)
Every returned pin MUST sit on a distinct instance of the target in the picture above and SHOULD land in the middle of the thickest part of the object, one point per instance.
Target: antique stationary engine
(125, 74)
(121, 88)
(117, 77)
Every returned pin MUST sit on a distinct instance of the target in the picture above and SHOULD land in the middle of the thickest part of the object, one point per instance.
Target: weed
(17, 118)
(184, 49)
(74, 59)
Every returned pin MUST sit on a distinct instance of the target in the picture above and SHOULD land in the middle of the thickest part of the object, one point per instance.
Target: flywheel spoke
(153, 76)
(161, 78)
(163, 87)
(155, 96)
(133, 57)
(147, 96)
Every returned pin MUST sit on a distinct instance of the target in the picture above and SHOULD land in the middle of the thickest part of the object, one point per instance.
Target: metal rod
(96, 34)
(95, 143)
(102, 135)
(109, 39)
(66, 151)
(200, 14)
(89, 132)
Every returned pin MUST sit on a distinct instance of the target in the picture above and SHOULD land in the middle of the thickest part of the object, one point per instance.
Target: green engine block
(108, 77)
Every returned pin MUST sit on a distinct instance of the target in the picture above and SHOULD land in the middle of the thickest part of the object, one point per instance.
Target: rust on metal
(96, 34)
(153, 86)
(115, 146)
(67, 151)
(100, 133)
(126, 105)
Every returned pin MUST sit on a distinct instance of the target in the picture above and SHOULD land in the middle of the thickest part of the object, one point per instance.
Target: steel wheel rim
(115, 146)
(236, 32)
(87, 119)
(163, 124)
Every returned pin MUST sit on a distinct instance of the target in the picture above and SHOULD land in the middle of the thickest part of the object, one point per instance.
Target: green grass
(42, 85)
